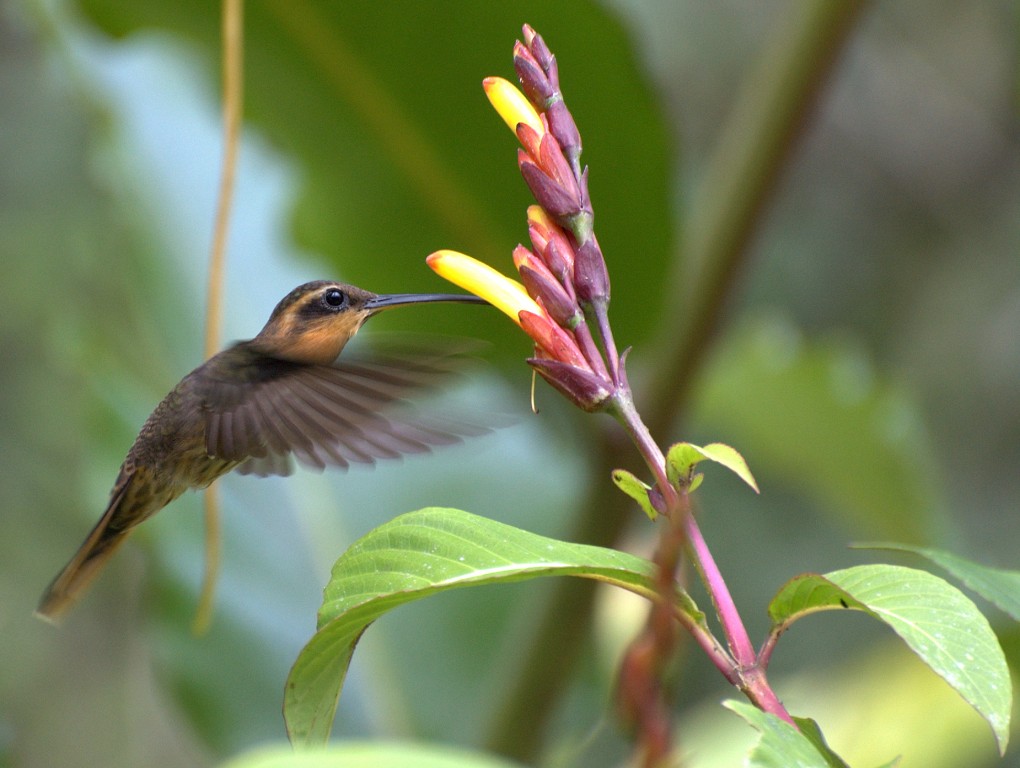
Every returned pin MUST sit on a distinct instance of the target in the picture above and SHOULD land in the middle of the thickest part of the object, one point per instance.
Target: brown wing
(355, 411)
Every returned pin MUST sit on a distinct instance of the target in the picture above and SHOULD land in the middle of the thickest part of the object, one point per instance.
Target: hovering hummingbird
(257, 403)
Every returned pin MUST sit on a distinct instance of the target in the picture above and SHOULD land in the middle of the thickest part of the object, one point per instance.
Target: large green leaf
(817, 414)
(936, 621)
(381, 105)
(996, 585)
(416, 555)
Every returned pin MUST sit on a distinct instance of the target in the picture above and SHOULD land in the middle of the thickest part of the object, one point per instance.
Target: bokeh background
(866, 359)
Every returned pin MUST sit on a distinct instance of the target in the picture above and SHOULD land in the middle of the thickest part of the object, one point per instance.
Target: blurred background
(866, 359)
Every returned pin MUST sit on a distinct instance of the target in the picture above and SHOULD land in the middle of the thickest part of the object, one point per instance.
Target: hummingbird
(258, 403)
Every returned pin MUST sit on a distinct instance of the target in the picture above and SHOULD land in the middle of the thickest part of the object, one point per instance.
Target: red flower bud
(530, 139)
(533, 80)
(549, 294)
(591, 278)
(581, 387)
(551, 160)
(557, 201)
(563, 127)
(554, 342)
(543, 56)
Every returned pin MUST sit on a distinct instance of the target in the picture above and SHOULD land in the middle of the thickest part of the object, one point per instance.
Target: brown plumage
(259, 402)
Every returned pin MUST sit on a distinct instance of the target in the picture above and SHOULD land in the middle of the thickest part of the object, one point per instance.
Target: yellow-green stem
(233, 79)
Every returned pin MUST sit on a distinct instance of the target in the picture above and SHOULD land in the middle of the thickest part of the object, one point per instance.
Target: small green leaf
(997, 586)
(683, 457)
(781, 745)
(417, 555)
(680, 459)
(366, 754)
(936, 621)
(730, 458)
(629, 483)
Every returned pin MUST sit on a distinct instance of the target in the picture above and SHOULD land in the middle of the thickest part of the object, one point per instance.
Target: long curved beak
(380, 303)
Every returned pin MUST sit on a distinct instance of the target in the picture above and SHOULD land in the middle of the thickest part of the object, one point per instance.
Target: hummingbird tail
(71, 583)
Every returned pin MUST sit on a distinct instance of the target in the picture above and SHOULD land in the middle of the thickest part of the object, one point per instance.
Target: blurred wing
(355, 411)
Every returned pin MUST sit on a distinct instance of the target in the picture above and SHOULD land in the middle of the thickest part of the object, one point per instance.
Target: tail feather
(71, 583)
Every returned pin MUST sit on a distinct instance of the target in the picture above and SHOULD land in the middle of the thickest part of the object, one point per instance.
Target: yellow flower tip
(538, 216)
(508, 296)
(512, 105)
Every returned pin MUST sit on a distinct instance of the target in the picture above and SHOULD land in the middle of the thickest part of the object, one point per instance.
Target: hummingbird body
(259, 402)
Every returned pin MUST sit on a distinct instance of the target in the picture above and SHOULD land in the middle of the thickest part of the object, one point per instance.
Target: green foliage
(781, 745)
(683, 457)
(397, 154)
(809, 728)
(636, 488)
(936, 621)
(399, 151)
(998, 586)
(420, 554)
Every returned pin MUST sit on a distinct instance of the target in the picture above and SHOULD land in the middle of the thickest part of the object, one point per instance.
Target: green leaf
(997, 586)
(730, 458)
(816, 415)
(936, 621)
(781, 745)
(680, 459)
(683, 457)
(629, 483)
(398, 152)
(417, 555)
(810, 730)
(367, 755)
(808, 593)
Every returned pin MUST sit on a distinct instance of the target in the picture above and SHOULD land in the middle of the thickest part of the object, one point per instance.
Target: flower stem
(743, 669)
(733, 628)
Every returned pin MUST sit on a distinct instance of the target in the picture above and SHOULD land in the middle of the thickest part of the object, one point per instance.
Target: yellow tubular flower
(512, 105)
(506, 295)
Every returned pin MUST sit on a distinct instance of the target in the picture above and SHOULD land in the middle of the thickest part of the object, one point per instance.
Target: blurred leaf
(815, 413)
(997, 586)
(400, 153)
(781, 745)
(367, 755)
(936, 621)
(417, 555)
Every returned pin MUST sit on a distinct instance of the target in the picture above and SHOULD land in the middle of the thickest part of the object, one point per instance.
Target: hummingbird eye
(335, 298)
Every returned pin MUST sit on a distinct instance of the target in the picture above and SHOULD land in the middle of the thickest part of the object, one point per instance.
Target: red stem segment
(682, 531)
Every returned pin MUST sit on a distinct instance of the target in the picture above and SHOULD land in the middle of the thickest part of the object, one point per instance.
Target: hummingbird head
(312, 323)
